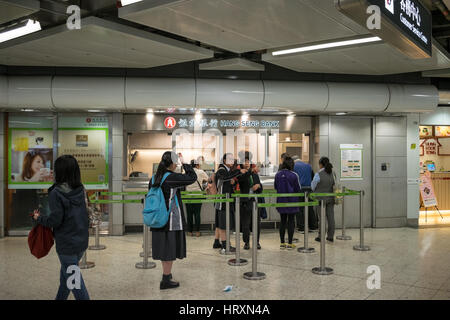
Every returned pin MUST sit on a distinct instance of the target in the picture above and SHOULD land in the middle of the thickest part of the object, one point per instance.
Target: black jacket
(68, 218)
(176, 180)
(224, 176)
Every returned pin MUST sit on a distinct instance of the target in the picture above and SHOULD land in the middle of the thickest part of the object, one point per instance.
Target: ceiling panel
(374, 59)
(99, 43)
(242, 26)
(14, 9)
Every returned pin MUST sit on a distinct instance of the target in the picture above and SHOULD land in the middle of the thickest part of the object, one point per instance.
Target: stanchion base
(141, 265)
(344, 238)
(234, 262)
(306, 250)
(363, 248)
(88, 265)
(100, 247)
(254, 276)
(325, 271)
(224, 253)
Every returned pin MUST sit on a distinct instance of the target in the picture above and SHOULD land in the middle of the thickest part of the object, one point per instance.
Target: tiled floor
(415, 264)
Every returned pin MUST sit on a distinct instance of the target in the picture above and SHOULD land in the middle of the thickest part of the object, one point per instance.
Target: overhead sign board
(405, 24)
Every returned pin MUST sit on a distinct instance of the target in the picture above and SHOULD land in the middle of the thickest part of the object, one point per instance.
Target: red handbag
(40, 241)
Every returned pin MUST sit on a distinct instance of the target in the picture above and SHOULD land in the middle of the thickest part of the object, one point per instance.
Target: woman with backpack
(70, 222)
(169, 242)
(323, 182)
(194, 209)
(287, 181)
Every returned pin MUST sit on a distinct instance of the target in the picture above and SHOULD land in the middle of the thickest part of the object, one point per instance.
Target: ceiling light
(27, 110)
(94, 110)
(326, 46)
(341, 113)
(127, 2)
(149, 115)
(198, 115)
(244, 116)
(20, 30)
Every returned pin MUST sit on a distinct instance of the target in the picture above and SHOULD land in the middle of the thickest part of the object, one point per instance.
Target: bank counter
(441, 184)
(133, 211)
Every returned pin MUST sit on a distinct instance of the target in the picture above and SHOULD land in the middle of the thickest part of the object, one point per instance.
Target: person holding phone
(34, 170)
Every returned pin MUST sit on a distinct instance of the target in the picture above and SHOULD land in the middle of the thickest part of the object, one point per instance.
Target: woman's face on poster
(37, 164)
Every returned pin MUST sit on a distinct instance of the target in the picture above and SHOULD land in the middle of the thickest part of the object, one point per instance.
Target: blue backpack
(155, 212)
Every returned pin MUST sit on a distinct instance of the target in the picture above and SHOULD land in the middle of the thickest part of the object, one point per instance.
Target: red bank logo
(170, 122)
(88, 120)
(389, 4)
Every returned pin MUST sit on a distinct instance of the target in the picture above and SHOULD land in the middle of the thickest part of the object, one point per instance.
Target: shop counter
(441, 184)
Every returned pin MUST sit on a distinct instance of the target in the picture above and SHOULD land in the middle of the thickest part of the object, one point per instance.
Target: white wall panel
(30, 92)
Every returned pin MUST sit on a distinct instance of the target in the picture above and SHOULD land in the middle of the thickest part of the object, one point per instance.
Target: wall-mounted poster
(425, 132)
(351, 161)
(30, 158)
(427, 191)
(86, 138)
(442, 131)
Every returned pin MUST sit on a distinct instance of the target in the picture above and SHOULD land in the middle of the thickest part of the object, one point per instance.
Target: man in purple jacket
(287, 181)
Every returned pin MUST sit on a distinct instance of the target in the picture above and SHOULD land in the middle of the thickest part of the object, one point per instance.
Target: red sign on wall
(170, 122)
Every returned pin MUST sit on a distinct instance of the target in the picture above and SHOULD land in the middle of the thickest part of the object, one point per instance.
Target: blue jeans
(64, 291)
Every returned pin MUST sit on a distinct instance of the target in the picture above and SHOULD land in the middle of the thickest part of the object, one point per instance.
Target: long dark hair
(288, 164)
(27, 172)
(167, 159)
(68, 171)
(325, 162)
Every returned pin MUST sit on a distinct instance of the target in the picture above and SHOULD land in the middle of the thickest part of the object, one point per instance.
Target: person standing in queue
(323, 182)
(194, 209)
(70, 222)
(306, 174)
(224, 179)
(247, 186)
(169, 242)
(287, 181)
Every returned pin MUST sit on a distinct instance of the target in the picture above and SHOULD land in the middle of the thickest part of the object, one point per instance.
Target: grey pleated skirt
(168, 245)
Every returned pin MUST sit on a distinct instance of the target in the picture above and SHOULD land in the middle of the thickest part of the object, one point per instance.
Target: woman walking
(194, 209)
(169, 242)
(287, 181)
(70, 222)
(323, 182)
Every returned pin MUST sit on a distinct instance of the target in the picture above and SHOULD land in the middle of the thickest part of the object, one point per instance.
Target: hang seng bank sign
(411, 17)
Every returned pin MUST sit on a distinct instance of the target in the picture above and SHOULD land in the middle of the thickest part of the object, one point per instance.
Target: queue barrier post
(322, 269)
(84, 264)
(145, 264)
(254, 274)
(361, 246)
(237, 261)
(305, 248)
(343, 236)
(227, 228)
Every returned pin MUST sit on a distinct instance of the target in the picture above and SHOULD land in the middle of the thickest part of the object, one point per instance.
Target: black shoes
(328, 239)
(217, 244)
(167, 283)
(259, 246)
(246, 246)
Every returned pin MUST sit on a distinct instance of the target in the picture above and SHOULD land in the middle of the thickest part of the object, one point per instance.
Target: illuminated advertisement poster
(351, 161)
(427, 191)
(86, 138)
(442, 131)
(30, 159)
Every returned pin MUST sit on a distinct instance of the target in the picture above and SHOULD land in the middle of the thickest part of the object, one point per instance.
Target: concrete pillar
(413, 170)
(2, 177)
(117, 174)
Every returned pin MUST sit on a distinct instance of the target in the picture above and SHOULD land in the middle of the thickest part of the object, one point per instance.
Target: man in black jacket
(225, 184)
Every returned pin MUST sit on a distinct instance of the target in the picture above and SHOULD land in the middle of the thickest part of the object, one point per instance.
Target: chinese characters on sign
(215, 123)
(351, 161)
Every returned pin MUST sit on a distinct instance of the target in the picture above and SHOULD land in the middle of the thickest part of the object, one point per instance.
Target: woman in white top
(194, 209)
